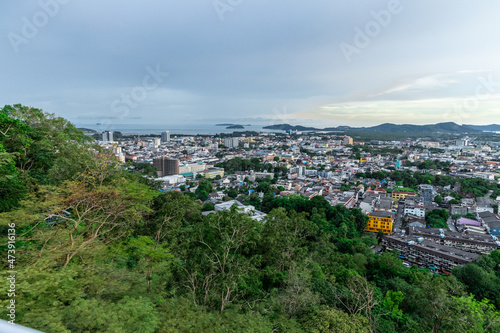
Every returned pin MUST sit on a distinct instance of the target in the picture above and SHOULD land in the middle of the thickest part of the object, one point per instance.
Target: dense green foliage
(99, 249)
(437, 218)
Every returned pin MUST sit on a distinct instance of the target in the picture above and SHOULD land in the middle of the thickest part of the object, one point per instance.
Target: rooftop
(380, 214)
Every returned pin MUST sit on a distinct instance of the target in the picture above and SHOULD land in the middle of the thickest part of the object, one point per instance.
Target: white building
(250, 210)
(156, 142)
(414, 210)
(231, 142)
(172, 180)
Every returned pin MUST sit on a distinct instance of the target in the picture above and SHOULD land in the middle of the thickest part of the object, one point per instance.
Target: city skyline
(314, 64)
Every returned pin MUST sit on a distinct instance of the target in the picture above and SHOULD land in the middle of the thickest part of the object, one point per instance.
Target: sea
(145, 129)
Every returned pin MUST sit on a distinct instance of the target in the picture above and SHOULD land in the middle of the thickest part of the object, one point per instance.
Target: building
(400, 195)
(264, 175)
(414, 206)
(470, 242)
(193, 167)
(166, 166)
(428, 144)
(427, 253)
(380, 221)
(366, 205)
(415, 222)
(347, 140)
(490, 221)
(383, 205)
(247, 209)
(415, 210)
(484, 204)
(172, 180)
(462, 142)
(231, 142)
(462, 221)
(214, 172)
(461, 210)
(156, 142)
(300, 170)
(107, 136)
(286, 157)
(165, 136)
(427, 193)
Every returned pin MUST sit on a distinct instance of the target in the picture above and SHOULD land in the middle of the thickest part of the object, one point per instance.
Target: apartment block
(380, 221)
(166, 166)
(400, 195)
(428, 253)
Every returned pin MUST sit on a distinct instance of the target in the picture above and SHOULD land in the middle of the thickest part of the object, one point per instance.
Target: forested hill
(448, 127)
(100, 249)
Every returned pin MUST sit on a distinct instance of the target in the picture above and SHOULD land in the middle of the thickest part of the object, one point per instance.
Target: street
(397, 218)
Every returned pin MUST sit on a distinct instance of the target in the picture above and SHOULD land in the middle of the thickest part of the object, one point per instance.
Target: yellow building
(400, 195)
(380, 221)
(214, 172)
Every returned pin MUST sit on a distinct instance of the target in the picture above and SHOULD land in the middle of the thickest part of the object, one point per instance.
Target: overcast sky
(315, 62)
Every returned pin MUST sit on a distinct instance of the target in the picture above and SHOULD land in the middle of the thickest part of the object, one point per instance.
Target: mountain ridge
(445, 127)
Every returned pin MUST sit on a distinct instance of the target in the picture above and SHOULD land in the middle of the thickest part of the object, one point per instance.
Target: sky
(316, 62)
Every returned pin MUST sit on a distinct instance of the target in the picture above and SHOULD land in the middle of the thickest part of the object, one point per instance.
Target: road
(397, 218)
(451, 226)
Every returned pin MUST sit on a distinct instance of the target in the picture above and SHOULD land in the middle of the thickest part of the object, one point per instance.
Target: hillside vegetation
(100, 249)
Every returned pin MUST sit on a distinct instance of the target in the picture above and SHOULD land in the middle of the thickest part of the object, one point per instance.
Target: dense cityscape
(437, 201)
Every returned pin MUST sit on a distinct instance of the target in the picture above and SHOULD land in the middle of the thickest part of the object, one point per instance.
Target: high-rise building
(426, 192)
(156, 142)
(166, 166)
(107, 136)
(231, 142)
(165, 136)
(348, 140)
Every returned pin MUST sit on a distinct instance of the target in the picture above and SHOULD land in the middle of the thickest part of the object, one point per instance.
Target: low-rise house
(490, 221)
(415, 221)
(462, 221)
(484, 204)
(249, 210)
(367, 204)
(383, 205)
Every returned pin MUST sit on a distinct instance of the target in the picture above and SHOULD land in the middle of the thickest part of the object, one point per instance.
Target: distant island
(231, 125)
(235, 127)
